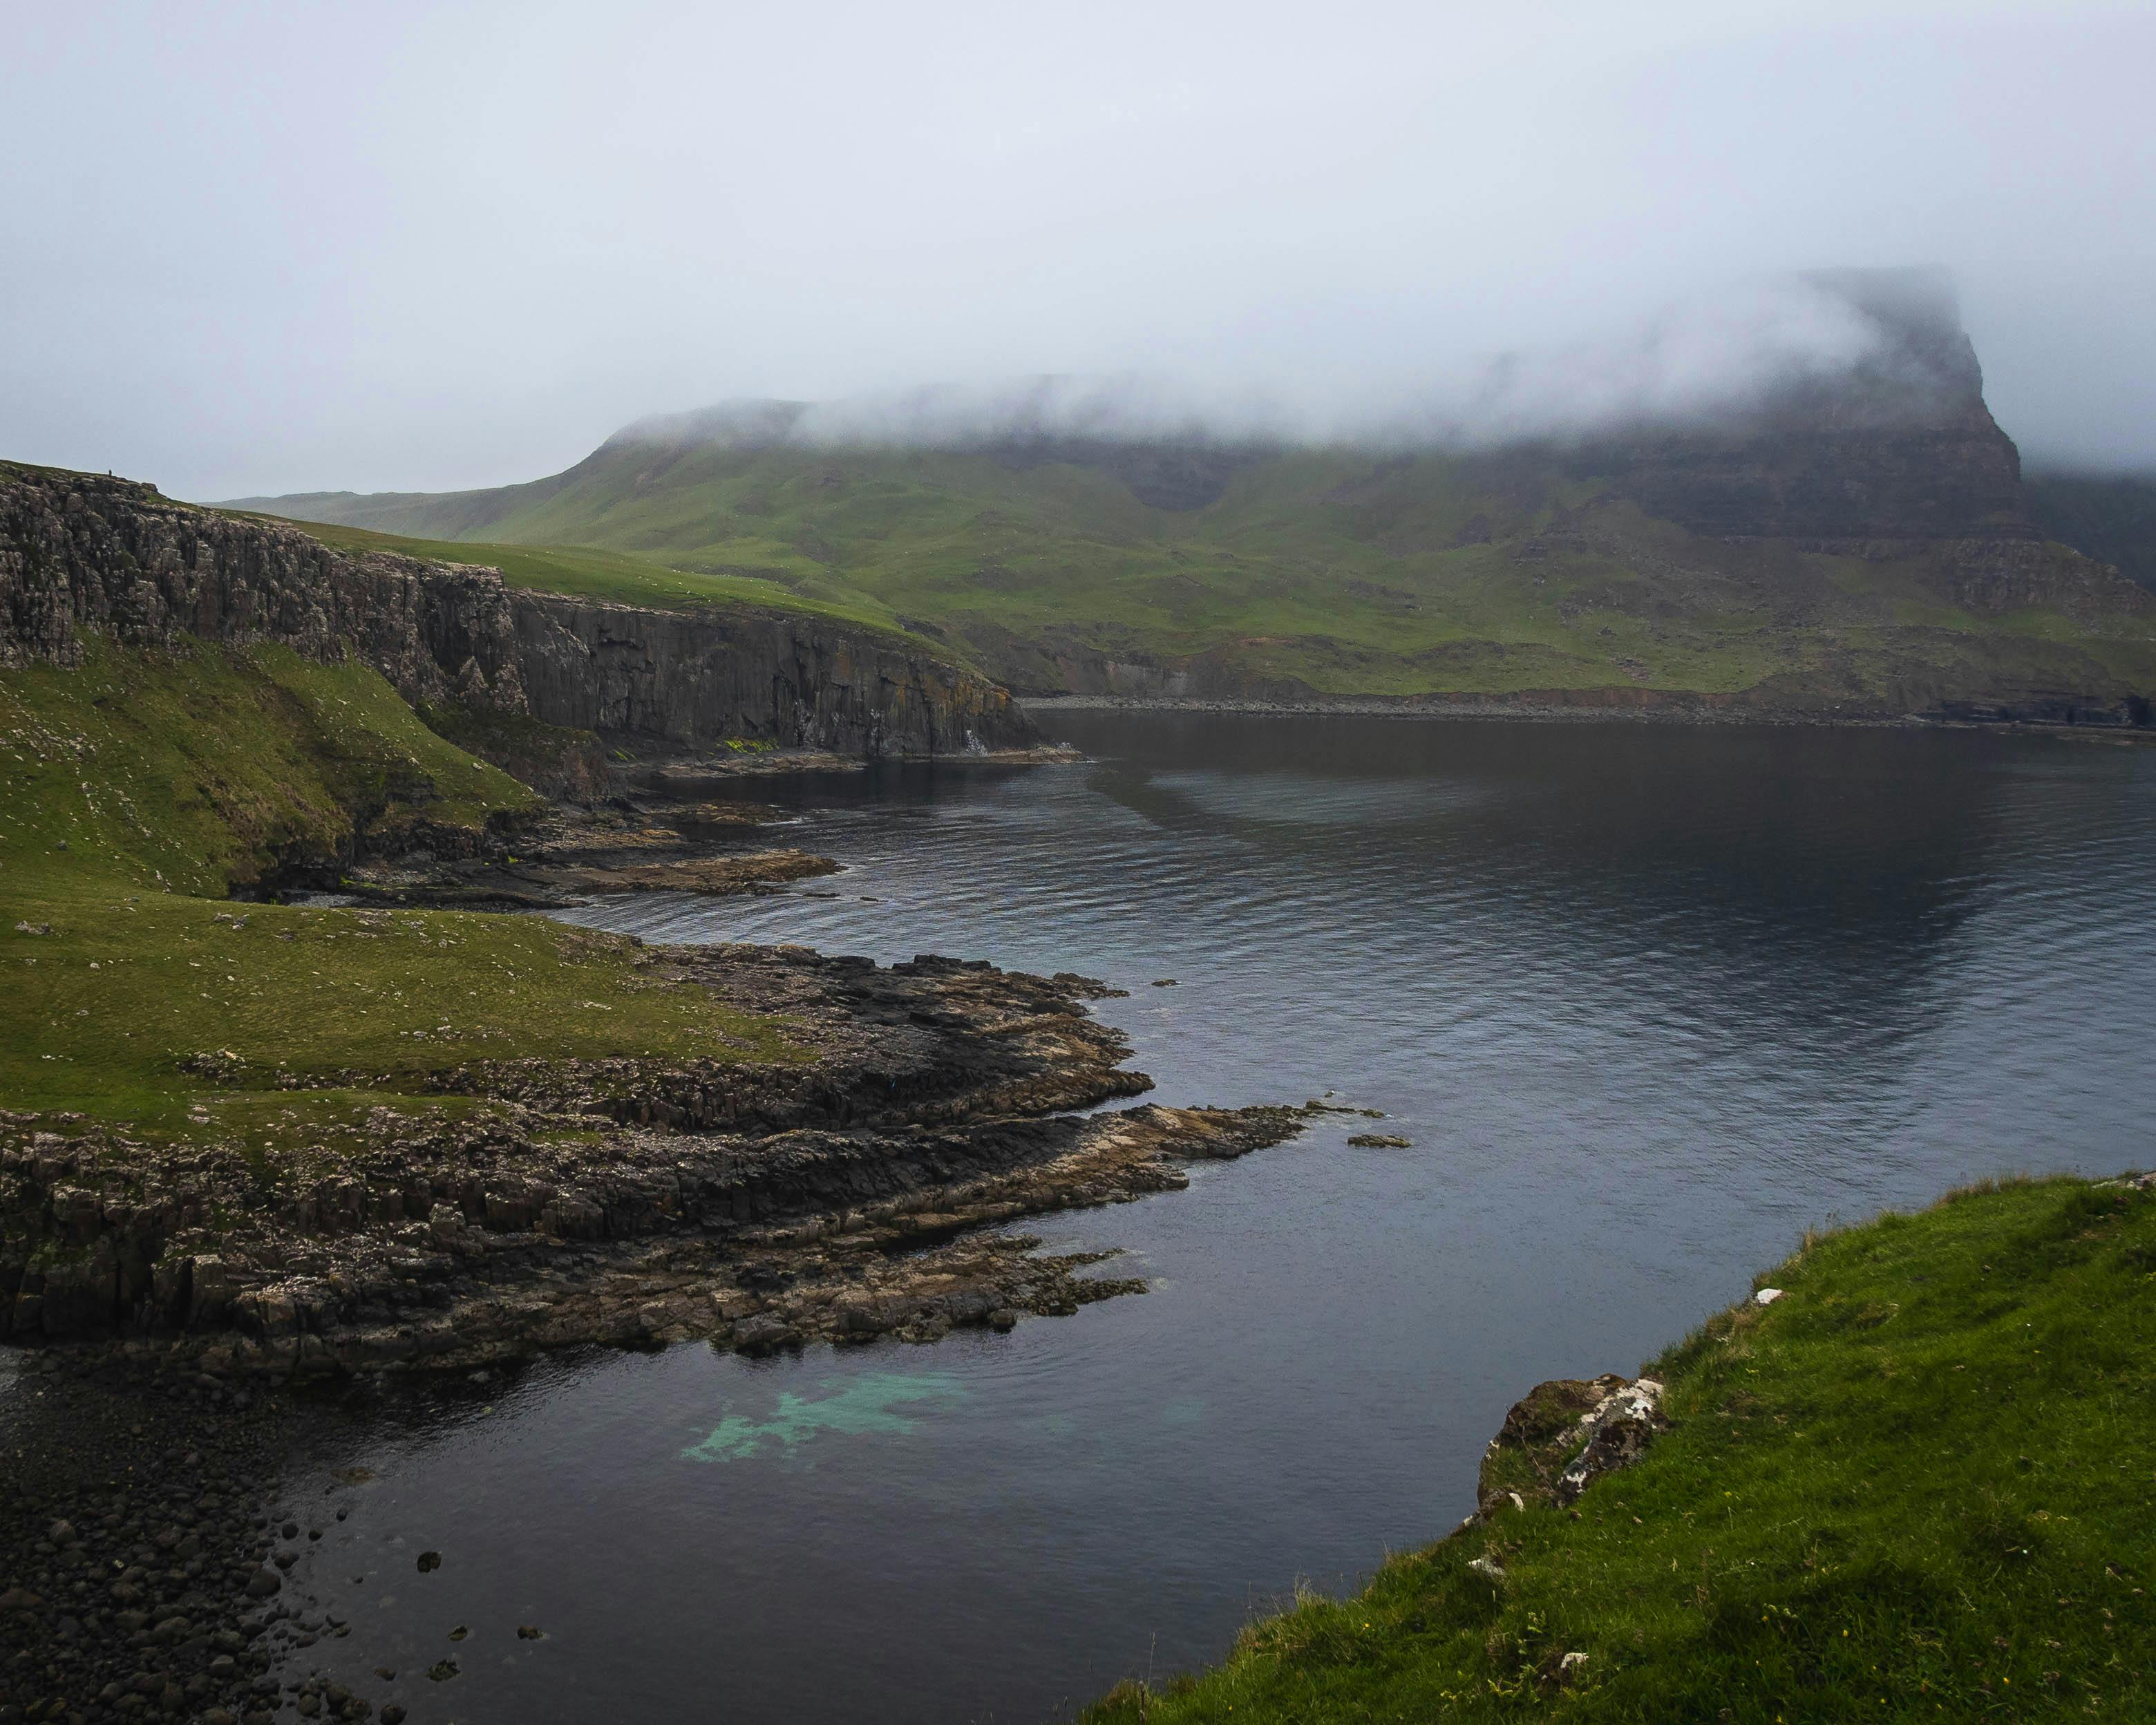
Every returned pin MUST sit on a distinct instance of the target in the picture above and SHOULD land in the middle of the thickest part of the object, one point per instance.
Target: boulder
(1563, 1434)
(1618, 1429)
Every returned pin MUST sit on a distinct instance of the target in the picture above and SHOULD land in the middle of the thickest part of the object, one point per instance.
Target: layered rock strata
(79, 551)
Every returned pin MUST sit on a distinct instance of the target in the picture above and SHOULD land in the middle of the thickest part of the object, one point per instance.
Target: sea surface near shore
(1644, 1001)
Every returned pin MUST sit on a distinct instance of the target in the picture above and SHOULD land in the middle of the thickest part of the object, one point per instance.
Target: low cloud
(415, 246)
(1708, 356)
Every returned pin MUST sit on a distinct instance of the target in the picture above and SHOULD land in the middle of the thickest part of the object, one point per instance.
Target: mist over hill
(1798, 496)
(1879, 345)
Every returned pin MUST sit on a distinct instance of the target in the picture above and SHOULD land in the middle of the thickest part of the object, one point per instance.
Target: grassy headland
(1341, 573)
(137, 792)
(1921, 1486)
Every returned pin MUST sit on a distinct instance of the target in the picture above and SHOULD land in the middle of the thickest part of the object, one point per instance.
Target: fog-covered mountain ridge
(1805, 499)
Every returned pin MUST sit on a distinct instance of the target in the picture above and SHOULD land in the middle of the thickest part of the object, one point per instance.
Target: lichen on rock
(1565, 1434)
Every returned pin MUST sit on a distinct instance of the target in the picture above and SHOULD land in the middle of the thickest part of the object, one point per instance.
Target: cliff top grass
(584, 571)
(1921, 1486)
(137, 792)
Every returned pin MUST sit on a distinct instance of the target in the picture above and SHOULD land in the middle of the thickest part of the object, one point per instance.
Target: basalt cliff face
(81, 551)
(690, 676)
(1902, 446)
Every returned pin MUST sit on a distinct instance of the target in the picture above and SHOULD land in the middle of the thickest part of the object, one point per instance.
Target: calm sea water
(1648, 1001)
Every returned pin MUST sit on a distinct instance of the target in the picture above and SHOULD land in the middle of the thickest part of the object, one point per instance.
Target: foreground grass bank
(138, 792)
(1921, 1485)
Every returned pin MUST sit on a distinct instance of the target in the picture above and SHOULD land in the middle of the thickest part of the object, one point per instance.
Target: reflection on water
(1646, 1001)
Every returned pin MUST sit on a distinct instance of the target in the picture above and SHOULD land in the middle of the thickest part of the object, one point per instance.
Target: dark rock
(762, 1335)
(1565, 1434)
(1619, 1430)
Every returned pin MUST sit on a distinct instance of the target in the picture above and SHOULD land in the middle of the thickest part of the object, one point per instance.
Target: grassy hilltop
(1921, 1486)
(1334, 572)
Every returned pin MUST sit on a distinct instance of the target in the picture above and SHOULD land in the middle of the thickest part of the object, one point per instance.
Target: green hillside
(1918, 1486)
(1334, 572)
(613, 576)
(138, 792)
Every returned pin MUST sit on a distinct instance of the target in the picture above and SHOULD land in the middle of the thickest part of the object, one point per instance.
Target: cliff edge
(86, 552)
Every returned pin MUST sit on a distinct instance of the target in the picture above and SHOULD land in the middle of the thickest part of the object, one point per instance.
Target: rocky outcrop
(81, 551)
(1564, 1435)
(1778, 477)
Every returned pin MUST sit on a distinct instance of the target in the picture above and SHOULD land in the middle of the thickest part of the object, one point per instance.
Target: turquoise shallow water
(880, 1404)
(1647, 1001)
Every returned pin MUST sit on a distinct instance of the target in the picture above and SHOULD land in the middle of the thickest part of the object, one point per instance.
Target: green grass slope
(587, 572)
(137, 792)
(1335, 571)
(1920, 1487)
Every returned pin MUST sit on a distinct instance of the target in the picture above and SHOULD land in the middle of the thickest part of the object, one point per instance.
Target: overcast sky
(277, 247)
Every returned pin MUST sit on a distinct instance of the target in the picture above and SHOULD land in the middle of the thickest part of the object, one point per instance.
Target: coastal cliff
(83, 550)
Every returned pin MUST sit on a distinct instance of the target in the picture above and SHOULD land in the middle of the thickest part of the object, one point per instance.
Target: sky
(261, 247)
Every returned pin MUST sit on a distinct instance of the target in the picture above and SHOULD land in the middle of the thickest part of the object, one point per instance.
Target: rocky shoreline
(146, 1548)
(190, 1323)
(624, 1200)
(149, 1448)
(188, 1320)
(660, 832)
(2125, 720)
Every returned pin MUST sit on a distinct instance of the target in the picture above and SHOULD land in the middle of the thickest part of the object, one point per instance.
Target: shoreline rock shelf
(628, 1201)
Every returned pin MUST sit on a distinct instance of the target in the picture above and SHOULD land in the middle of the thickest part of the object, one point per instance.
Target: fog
(1712, 356)
(251, 249)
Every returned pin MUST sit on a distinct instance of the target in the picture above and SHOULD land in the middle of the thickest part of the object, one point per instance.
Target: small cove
(1646, 1001)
